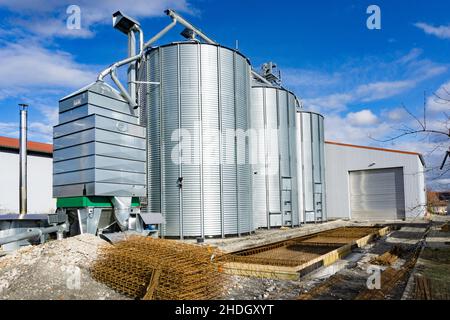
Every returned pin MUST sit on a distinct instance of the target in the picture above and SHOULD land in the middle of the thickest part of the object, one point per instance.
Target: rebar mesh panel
(185, 271)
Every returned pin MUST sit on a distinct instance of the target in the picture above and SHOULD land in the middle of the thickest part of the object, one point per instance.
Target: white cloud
(442, 32)
(445, 183)
(336, 102)
(42, 116)
(397, 114)
(10, 129)
(362, 80)
(48, 17)
(339, 128)
(382, 90)
(53, 27)
(364, 93)
(440, 102)
(412, 55)
(25, 67)
(362, 118)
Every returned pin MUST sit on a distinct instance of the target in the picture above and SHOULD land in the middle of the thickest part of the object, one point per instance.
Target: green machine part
(92, 201)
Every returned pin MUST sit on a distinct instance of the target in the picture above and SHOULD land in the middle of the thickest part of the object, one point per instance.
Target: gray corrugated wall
(274, 120)
(204, 89)
(311, 132)
(260, 207)
(292, 112)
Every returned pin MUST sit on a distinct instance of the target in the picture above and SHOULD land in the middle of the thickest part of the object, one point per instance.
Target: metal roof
(13, 143)
(379, 149)
(99, 87)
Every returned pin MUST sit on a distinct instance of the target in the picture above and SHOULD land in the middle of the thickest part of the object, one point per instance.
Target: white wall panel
(39, 182)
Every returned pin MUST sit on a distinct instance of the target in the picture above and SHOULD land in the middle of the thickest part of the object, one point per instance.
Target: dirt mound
(54, 270)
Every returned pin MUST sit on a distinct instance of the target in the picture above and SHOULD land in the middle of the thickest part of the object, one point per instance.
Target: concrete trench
(294, 258)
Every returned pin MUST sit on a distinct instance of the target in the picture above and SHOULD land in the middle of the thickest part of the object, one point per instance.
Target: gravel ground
(56, 270)
(60, 270)
(248, 288)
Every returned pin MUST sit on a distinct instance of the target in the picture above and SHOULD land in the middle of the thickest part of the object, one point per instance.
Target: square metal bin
(98, 94)
(99, 189)
(99, 146)
(99, 135)
(98, 175)
(99, 122)
(98, 162)
(88, 109)
(100, 149)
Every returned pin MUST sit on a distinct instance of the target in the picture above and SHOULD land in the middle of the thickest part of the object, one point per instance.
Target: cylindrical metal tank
(274, 179)
(311, 166)
(199, 176)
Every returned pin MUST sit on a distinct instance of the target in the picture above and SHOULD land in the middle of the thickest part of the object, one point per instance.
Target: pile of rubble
(54, 270)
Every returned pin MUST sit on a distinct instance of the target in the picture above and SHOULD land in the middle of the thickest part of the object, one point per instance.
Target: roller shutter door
(377, 194)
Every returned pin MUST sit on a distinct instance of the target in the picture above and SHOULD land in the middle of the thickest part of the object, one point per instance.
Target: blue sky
(358, 78)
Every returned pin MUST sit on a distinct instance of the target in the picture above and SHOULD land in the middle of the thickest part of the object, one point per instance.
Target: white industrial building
(40, 166)
(366, 183)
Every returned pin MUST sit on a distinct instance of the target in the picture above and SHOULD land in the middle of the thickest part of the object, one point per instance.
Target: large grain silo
(198, 177)
(275, 192)
(311, 166)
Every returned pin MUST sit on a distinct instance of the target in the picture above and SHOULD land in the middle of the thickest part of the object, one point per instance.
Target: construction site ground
(344, 279)
(49, 271)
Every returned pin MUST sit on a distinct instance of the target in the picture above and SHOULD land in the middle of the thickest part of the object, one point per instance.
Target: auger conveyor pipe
(32, 233)
(171, 13)
(175, 18)
(112, 69)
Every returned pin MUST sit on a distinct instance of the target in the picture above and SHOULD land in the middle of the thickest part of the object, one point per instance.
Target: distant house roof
(438, 198)
(13, 143)
(379, 149)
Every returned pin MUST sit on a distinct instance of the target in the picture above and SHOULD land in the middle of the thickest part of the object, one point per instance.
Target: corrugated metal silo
(198, 177)
(275, 192)
(311, 166)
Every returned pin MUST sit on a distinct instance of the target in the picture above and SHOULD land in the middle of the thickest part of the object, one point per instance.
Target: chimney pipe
(23, 159)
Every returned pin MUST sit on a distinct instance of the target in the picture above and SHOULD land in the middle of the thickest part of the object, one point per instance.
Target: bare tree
(423, 131)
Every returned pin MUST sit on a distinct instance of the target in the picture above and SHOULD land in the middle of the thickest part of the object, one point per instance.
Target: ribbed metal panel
(275, 190)
(259, 164)
(307, 163)
(377, 194)
(229, 179)
(242, 103)
(273, 155)
(322, 167)
(292, 119)
(211, 146)
(152, 97)
(192, 210)
(311, 132)
(204, 90)
(170, 87)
